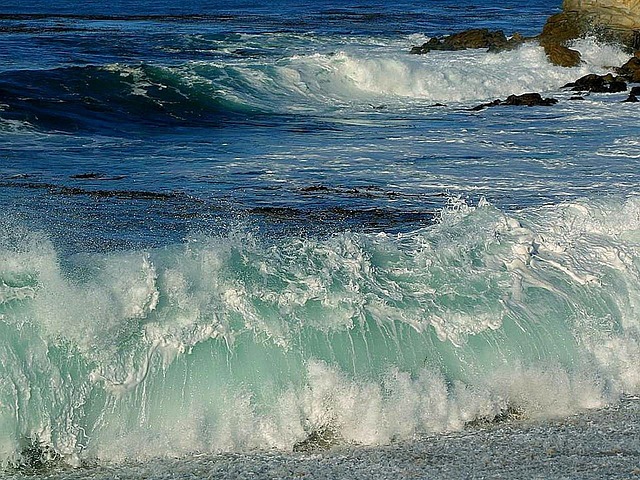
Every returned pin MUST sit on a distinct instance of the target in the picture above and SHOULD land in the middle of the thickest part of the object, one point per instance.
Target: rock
(613, 21)
(482, 106)
(598, 84)
(526, 99)
(577, 97)
(561, 55)
(560, 29)
(433, 44)
(514, 42)
(630, 71)
(317, 441)
(633, 95)
(475, 38)
(529, 100)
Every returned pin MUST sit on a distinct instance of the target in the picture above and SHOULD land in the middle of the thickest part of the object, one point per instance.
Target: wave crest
(348, 81)
(246, 343)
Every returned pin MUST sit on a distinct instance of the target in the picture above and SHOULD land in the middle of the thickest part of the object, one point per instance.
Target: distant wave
(251, 83)
(120, 18)
(234, 342)
(111, 97)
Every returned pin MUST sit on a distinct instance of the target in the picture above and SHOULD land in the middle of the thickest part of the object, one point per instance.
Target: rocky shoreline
(591, 83)
(610, 21)
(616, 81)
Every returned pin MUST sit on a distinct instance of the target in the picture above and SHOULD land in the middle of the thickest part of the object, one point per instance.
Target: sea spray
(238, 342)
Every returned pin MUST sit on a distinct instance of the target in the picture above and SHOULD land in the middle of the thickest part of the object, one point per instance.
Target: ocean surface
(238, 226)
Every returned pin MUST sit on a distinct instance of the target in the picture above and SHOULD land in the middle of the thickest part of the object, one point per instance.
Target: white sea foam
(597, 54)
(232, 344)
(353, 76)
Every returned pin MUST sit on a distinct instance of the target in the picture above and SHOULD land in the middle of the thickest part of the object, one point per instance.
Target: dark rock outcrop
(630, 71)
(529, 100)
(598, 84)
(475, 38)
(633, 95)
(514, 42)
(526, 100)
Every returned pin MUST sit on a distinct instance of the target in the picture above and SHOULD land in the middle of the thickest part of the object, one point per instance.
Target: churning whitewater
(333, 84)
(236, 342)
(231, 227)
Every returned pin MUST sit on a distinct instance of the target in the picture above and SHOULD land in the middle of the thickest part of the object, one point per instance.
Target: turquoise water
(230, 227)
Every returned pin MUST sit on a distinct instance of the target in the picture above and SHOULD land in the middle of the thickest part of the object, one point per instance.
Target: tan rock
(610, 20)
(622, 14)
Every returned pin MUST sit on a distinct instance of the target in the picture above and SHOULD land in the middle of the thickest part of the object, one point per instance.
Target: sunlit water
(235, 227)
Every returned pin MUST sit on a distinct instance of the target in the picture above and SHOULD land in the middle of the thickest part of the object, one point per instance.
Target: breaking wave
(234, 343)
(113, 97)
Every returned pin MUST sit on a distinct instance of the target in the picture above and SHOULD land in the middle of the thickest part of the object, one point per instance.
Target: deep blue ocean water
(231, 104)
(231, 225)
